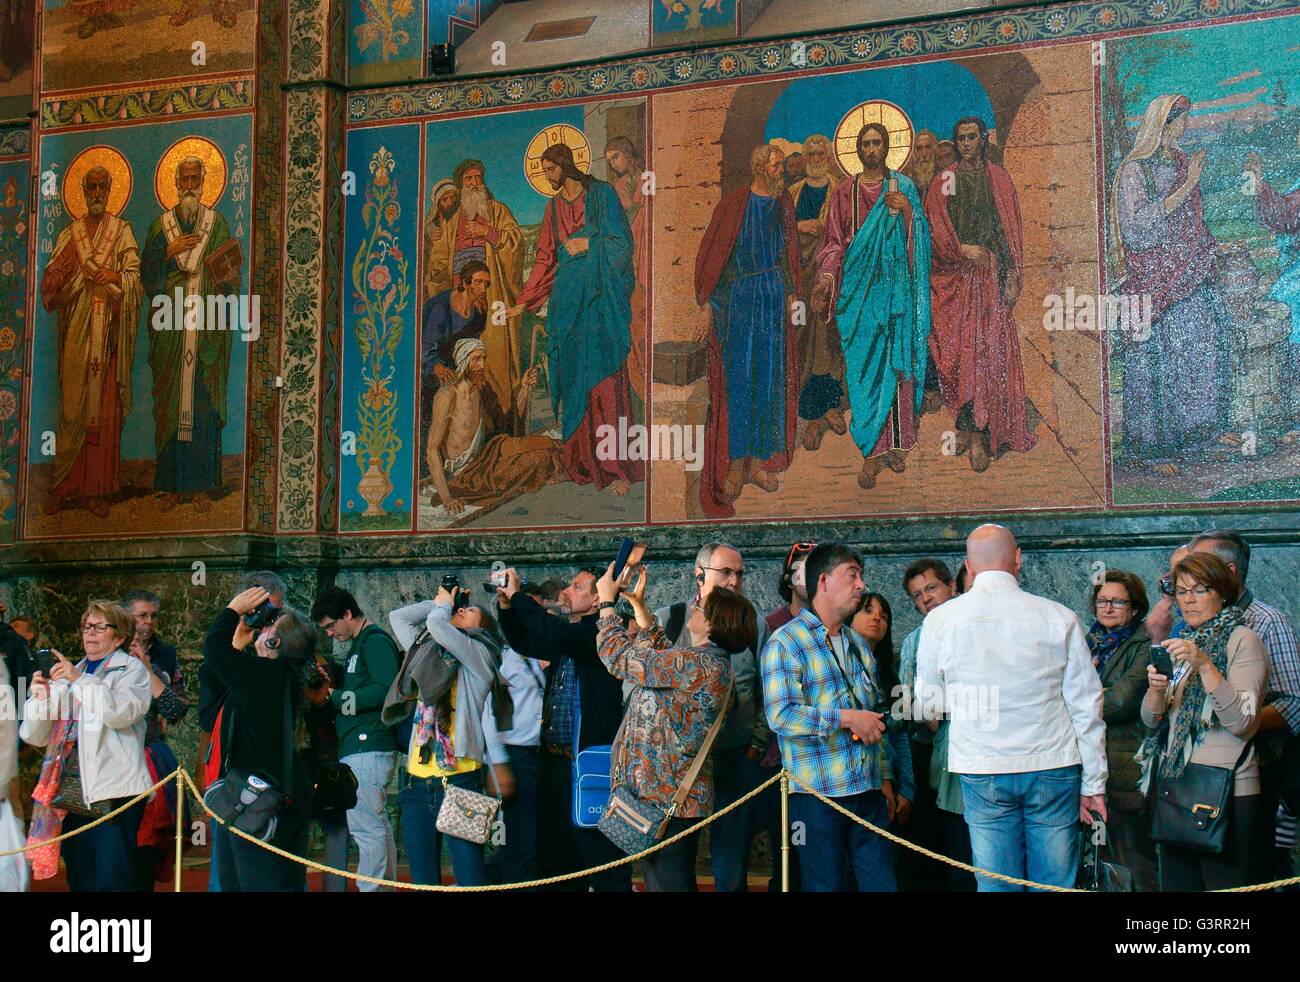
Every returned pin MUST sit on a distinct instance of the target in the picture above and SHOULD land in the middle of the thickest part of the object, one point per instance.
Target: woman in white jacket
(91, 718)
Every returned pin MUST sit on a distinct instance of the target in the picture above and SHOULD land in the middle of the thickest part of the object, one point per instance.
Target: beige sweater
(8, 733)
(1237, 701)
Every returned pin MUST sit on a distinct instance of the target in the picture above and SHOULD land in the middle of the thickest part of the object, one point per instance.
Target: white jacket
(1015, 673)
(111, 709)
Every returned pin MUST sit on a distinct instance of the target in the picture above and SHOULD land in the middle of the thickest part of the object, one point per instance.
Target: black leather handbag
(1193, 810)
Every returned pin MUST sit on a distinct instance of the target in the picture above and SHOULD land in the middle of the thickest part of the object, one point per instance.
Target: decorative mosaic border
(175, 99)
(268, 249)
(15, 142)
(331, 322)
(954, 35)
(303, 299)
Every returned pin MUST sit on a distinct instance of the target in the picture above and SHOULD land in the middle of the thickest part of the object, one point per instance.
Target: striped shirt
(804, 689)
(1283, 693)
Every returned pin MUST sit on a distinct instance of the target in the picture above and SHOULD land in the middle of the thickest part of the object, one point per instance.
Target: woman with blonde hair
(1162, 250)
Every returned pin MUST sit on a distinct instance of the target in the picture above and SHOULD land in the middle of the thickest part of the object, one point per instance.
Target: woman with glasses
(90, 717)
(874, 620)
(260, 667)
(1120, 651)
(1211, 706)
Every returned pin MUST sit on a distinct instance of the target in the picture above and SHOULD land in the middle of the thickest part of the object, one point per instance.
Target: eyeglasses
(1113, 604)
(89, 628)
(273, 642)
(928, 589)
(1197, 592)
(724, 572)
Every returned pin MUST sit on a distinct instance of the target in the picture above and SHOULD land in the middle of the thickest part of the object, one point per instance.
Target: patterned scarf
(1195, 712)
(47, 821)
(1104, 643)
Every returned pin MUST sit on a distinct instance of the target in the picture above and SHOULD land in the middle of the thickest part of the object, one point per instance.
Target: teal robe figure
(880, 265)
(588, 325)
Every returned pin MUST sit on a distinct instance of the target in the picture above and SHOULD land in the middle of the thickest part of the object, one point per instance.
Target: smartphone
(1161, 660)
(45, 661)
(630, 567)
(629, 554)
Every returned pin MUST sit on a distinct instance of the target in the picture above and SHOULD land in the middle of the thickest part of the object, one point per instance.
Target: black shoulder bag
(1193, 810)
(245, 801)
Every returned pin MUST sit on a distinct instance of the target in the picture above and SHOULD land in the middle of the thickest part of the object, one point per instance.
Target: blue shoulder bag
(590, 776)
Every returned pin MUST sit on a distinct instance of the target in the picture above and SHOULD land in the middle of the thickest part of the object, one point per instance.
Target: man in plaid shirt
(1280, 717)
(819, 684)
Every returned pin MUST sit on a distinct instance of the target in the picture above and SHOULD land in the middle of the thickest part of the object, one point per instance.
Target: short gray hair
(267, 580)
(203, 170)
(1229, 546)
(705, 555)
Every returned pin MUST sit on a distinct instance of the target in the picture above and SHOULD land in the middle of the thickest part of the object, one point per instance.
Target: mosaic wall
(1036, 261)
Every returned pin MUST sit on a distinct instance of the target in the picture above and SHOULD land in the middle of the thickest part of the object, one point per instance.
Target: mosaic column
(307, 495)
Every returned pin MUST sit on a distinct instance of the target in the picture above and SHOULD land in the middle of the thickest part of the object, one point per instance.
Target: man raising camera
(578, 687)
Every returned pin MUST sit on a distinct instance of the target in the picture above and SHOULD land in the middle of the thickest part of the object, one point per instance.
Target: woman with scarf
(1120, 650)
(90, 717)
(678, 694)
(448, 740)
(1212, 703)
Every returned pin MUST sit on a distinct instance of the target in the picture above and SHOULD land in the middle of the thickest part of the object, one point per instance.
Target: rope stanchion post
(180, 823)
(785, 831)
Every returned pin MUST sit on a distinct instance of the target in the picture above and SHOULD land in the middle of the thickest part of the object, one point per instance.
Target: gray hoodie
(479, 661)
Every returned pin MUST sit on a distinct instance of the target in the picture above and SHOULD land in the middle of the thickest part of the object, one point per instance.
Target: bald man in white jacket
(1015, 674)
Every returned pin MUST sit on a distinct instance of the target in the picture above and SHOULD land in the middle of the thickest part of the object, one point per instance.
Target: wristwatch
(606, 605)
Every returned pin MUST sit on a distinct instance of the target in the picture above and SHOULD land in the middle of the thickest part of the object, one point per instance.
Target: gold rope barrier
(490, 887)
(183, 780)
(897, 840)
(173, 776)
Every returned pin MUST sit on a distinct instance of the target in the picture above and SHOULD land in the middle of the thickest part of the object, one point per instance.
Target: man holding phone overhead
(740, 745)
(582, 706)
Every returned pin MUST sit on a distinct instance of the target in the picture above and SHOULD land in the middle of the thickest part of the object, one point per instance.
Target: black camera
(265, 614)
(460, 597)
(315, 677)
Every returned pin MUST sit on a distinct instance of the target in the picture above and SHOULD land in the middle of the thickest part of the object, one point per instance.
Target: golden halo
(214, 171)
(560, 133)
(74, 198)
(897, 122)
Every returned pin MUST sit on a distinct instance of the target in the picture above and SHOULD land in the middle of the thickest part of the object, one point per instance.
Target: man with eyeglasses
(929, 584)
(1165, 620)
(744, 736)
(1279, 719)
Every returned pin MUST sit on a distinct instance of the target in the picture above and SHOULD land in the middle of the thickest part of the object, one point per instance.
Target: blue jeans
(730, 837)
(834, 851)
(368, 821)
(1024, 825)
(420, 800)
(334, 828)
(103, 860)
(214, 877)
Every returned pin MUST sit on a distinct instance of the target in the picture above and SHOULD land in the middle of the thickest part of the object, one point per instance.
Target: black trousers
(917, 873)
(105, 859)
(247, 868)
(1189, 871)
(1267, 861)
(672, 869)
(562, 847)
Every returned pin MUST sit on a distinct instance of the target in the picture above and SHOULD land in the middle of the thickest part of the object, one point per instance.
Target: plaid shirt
(1275, 630)
(804, 690)
(561, 705)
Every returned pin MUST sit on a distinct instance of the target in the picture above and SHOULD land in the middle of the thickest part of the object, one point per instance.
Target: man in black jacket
(578, 688)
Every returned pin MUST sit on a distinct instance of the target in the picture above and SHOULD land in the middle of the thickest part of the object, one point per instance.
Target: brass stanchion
(180, 825)
(785, 832)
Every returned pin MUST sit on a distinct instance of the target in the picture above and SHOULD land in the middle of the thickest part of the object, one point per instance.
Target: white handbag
(15, 872)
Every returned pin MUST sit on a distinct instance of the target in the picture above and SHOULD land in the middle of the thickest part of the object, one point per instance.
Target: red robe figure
(975, 279)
